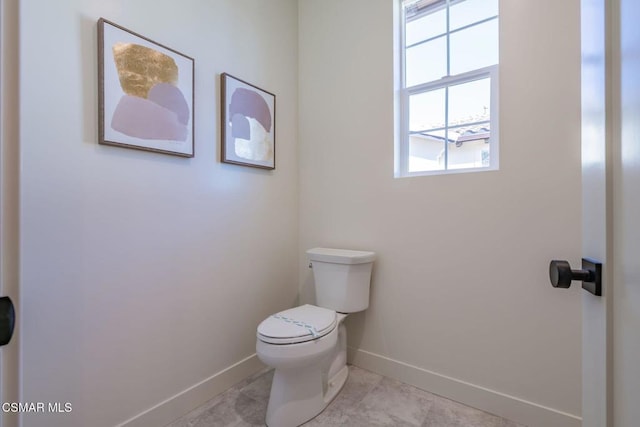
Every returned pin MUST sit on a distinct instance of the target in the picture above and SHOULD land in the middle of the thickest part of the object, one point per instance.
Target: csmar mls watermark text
(37, 407)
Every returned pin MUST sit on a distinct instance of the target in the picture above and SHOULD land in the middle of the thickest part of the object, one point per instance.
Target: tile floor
(366, 400)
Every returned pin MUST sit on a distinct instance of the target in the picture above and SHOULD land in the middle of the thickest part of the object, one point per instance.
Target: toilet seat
(297, 325)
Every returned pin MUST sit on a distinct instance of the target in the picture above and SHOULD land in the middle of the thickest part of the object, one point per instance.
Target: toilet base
(300, 393)
(302, 399)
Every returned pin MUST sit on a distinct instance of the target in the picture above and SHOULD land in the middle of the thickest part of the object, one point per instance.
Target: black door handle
(561, 275)
(7, 320)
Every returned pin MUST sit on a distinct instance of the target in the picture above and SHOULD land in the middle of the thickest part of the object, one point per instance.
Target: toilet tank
(342, 278)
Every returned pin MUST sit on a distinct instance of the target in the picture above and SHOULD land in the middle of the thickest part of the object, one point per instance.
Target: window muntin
(449, 91)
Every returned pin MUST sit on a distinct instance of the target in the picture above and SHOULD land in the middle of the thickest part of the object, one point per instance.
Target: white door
(626, 227)
(611, 210)
(596, 138)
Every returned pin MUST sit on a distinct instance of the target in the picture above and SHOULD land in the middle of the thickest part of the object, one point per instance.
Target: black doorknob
(7, 320)
(561, 275)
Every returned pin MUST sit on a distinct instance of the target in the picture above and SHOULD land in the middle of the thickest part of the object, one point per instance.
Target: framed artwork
(145, 93)
(248, 124)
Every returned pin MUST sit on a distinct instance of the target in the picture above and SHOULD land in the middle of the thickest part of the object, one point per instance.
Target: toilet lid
(296, 325)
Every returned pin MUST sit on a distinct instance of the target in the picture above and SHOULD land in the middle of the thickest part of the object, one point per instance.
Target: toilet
(307, 345)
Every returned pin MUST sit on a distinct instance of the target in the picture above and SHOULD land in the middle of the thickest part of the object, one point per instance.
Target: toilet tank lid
(340, 256)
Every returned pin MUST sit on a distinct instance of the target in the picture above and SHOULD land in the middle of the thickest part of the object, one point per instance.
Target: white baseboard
(165, 412)
(521, 411)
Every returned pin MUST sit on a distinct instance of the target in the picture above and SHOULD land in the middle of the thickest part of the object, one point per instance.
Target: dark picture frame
(248, 126)
(145, 93)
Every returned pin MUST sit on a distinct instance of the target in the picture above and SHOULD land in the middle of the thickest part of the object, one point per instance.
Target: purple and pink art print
(146, 93)
(248, 117)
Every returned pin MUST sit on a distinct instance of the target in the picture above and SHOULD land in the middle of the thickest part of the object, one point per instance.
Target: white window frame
(403, 149)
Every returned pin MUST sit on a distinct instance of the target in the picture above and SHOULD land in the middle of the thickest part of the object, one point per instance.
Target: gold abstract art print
(145, 93)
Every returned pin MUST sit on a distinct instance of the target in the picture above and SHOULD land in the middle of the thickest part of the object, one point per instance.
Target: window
(449, 80)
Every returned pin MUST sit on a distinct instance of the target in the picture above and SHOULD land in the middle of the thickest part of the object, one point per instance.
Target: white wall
(467, 300)
(144, 274)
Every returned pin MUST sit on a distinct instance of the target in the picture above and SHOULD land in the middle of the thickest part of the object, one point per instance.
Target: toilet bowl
(303, 381)
(307, 345)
